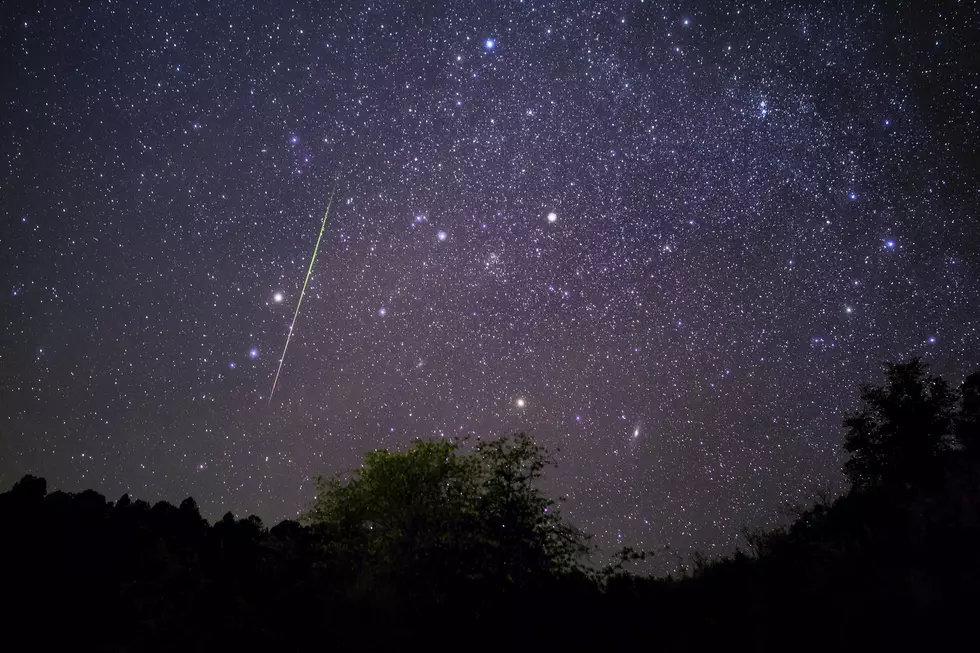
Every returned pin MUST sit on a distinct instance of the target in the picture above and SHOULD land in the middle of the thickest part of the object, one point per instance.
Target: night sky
(668, 239)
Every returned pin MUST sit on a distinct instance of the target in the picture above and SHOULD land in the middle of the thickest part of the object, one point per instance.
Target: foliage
(434, 515)
(902, 428)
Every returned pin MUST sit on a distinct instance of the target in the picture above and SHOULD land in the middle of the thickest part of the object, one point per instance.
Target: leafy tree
(431, 518)
(902, 429)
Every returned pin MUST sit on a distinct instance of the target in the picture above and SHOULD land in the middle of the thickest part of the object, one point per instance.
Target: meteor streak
(299, 303)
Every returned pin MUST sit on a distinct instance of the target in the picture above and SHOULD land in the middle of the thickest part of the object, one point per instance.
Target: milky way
(667, 239)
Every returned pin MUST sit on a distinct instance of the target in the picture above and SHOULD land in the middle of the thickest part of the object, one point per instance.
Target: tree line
(453, 544)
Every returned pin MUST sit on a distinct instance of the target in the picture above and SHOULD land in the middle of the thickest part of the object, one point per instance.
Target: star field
(667, 239)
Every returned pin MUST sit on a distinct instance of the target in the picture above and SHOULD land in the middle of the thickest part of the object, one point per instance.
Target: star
(441, 235)
(489, 44)
(521, 403)
(253, 353)
(277, 298)
(552, 217)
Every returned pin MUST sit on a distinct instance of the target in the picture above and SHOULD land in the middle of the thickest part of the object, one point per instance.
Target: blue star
(853, 196)
(253, 353)
(890, 244)
(489, 44)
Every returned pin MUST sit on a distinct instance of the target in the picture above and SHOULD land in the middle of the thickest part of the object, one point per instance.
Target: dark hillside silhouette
(452, 545)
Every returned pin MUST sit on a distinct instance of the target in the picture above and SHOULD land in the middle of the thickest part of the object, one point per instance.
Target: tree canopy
(409, 518)
(902, 427)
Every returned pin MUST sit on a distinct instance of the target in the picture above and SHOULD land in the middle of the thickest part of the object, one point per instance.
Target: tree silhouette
(968, 421)
(903, 427)
(433, 516)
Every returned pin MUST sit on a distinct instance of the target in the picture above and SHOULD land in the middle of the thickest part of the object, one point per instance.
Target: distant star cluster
(668, 239)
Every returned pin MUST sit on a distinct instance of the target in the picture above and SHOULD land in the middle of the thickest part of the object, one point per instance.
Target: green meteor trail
(299, 303)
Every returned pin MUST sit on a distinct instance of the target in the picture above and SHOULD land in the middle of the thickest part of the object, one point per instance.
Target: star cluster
(667, 239)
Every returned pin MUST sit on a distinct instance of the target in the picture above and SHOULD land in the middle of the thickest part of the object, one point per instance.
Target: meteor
(299, 303)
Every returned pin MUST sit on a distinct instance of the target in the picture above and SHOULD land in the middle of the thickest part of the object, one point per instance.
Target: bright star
(489, 44)
(277, 297)
(382, 311)
(853, 196)
(521, 403)
(552, 217)
(890, 244)
(253, 353)
(441, 235)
